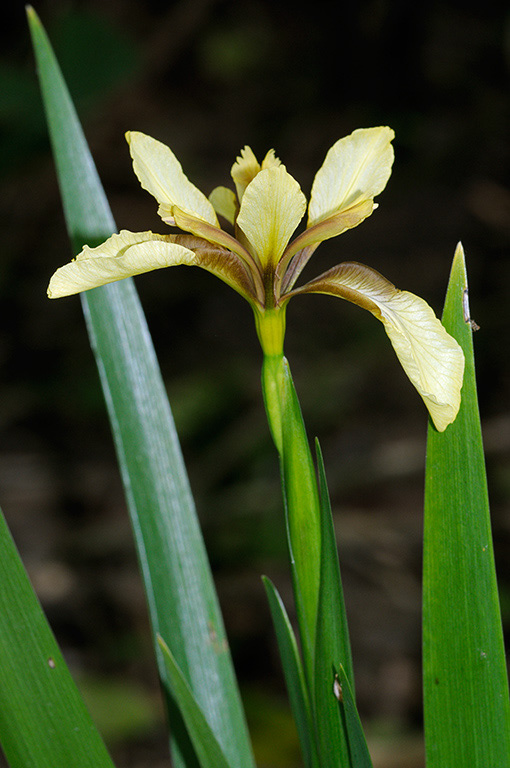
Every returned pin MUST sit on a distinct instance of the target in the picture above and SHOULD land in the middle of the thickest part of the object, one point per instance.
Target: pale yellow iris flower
(261, 262)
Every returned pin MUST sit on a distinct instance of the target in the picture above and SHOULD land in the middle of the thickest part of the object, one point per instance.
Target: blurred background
(207, 77)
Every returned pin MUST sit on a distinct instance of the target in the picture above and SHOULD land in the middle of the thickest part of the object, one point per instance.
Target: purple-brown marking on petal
(339, 281)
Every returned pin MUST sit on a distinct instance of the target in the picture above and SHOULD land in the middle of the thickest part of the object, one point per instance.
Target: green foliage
(294, 674)
(326, 729)
(207, 749)
(359, 756)
(467, 714)
(182, 602)
(43, 720)
(300, 495)
(332, 647)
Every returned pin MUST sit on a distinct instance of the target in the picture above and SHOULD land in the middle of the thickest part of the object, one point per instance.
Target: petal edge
(355, 169)
(431, 358)
(160, 173)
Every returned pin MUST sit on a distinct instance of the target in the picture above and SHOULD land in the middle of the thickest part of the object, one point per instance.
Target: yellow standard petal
(355, 170)
(132, 253)
(224, 202)
(161, 174)
(272, 207)
(244, 170)
(270, 160)
(431, 358)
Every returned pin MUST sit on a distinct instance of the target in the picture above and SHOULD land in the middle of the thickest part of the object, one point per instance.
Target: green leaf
(332, 645)
(43, 720)
(359, 755)
(300, 495)
(180, 593)
(293, 673)
(332, 618)
(206, 746)
(466, 704)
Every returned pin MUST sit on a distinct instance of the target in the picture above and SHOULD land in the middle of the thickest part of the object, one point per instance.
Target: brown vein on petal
(307, 241)
(352, 281)
(211, 233)
(219, 237)
(332, 226)
(224, 264)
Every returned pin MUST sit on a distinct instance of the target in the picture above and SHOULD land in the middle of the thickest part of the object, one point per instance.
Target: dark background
(207, 77)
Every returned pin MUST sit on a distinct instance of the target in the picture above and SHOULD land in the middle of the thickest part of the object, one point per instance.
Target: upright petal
(270, 160)
(431, 358)
(355, 169)
(132, 253)
(224, 202)
(272, 207)
(161, 174)
(244, 170)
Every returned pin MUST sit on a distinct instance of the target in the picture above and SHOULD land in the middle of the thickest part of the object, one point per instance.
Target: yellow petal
(272, 207)
(270, 160)
(355, 169)
(131, 253)
(431, 358)
(224, 202)
(244, 170)
(161, 174)
(317, 233)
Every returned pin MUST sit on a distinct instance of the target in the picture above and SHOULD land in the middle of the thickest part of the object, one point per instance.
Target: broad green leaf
(43, 720)
(332, 645)
(466, 704)
(293, 673)
(204, 741)
(359, 755)
(300, 495)
(180, 593)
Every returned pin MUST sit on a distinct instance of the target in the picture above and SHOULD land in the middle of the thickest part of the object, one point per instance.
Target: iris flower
(261, 261)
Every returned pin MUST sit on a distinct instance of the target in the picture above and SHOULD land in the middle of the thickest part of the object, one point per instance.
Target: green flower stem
(302, 507)
(272, 388)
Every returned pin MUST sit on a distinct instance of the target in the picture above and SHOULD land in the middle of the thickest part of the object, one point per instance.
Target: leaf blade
(182, 601)
(466, 705)
(210, 754)
(332, 646)
(293, 673)
(359, 755)
(38, 697)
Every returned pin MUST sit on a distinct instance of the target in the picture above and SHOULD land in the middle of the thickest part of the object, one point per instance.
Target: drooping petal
(244, 170)
(132, 253)
(224, 202)
(161, 174)
(431, 358)
(219, 237)
(272, 207)
(355, 169)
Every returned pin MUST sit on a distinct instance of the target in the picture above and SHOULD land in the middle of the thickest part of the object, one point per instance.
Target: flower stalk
(301, 496)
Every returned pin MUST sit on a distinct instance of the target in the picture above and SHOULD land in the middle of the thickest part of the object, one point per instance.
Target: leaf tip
(161, 642)
(459, 262)
(459, 253)
(32, 16)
